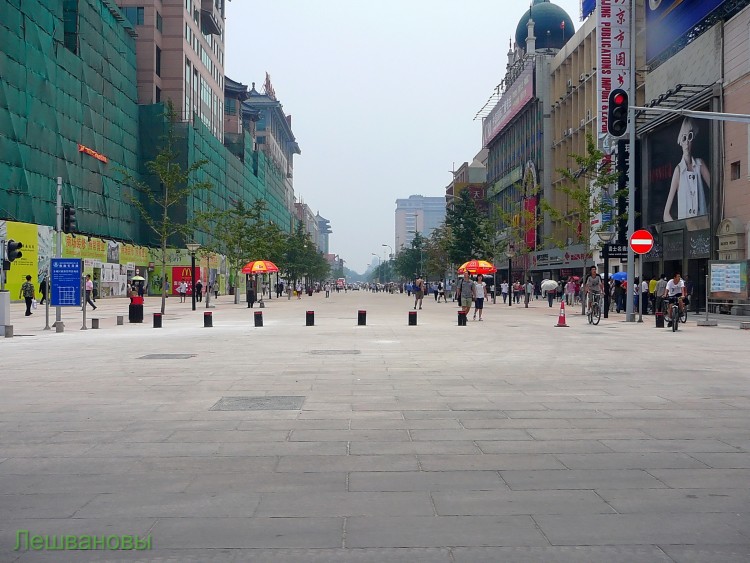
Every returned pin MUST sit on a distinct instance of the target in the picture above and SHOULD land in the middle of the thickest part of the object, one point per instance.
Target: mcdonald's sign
(183, 273)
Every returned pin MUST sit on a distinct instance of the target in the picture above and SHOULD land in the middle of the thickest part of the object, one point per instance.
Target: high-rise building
(417, 214)
(180, 56)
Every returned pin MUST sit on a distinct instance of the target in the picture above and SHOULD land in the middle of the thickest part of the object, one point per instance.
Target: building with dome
(517, 131)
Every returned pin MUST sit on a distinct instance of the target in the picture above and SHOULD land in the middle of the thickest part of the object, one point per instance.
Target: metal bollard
(94, 323)
(258, 318)
(120, 320)
(208, 320)
(362, 318)
(310, 318)
(157, 320)
(412, 318)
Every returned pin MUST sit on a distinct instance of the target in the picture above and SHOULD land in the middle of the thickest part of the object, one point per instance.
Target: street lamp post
(510, 253)
(390, 256)
(192, 247)
(380, 263)
(606, 237)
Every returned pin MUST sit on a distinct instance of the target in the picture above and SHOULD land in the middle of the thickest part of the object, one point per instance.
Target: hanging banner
(613, 53)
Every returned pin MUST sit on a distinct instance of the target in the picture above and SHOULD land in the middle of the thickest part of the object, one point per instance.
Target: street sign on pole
(65, 282)
(642, 242)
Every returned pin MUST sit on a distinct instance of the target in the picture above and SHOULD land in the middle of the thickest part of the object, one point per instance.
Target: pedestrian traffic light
(12, 252)
(617, 114)
(70, 225)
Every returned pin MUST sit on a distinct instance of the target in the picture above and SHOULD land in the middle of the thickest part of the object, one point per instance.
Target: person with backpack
(418, 292)
(27, 293)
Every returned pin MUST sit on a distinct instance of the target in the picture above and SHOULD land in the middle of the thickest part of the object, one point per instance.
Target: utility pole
(58, 249)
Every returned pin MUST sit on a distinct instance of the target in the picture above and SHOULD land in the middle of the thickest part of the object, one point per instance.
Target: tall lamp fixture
(606, 237)
(380, 263)
(510, 252)
(192, 248)
(390, 256)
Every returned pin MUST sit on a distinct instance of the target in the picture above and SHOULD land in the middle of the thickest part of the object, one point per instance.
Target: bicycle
(594, 308)
(676, 312)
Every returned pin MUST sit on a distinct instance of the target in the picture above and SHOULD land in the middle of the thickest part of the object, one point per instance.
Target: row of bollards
(309, 318)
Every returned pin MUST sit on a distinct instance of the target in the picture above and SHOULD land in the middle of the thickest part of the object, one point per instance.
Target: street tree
(162, 201)
(242, 234)
(471, 233)
(589, 194)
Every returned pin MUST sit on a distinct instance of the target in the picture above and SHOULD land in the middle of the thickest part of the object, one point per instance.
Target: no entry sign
(642, 242)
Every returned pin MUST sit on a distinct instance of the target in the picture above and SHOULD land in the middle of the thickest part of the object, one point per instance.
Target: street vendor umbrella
(619, 276)
(477, 267)
(549, 285)
(138, 278)
(260, 267)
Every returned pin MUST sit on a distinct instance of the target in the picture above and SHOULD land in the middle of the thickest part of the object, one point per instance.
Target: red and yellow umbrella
(477, 267)
(260, 267)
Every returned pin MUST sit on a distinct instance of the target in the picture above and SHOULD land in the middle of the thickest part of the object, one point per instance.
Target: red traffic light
(619, 98)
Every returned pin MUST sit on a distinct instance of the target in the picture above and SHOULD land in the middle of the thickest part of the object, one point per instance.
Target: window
(735, 170)
(158, 94)
(70, 24)
(135, 14)
(158, 61)
(229, 108)
(159, 22)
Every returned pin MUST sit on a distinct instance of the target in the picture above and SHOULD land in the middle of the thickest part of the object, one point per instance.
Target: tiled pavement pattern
(508, 440)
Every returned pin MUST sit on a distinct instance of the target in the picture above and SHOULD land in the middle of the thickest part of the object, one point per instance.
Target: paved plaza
(508, 440)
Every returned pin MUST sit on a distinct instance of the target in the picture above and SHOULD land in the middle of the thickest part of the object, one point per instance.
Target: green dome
(548, 29)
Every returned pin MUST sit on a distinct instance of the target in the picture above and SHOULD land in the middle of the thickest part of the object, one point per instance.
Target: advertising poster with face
(679, 177)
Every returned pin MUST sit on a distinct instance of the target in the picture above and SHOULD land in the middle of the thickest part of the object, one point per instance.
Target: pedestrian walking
(27, 293)
(43, 290)
(504, 290)
(89, 287)
(182, 290)
(478, 293)
(199, 291)
(327, 287)
(418, 292)
(441, 292)
(299, 290)
(464, 293)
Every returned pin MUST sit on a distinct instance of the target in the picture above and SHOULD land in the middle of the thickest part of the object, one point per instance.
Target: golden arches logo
(186, 273)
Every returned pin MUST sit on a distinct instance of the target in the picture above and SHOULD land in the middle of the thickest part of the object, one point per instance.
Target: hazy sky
(382, 96)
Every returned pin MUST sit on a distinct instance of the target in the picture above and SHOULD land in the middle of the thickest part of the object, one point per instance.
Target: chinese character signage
(515, 97)
(613, 57)
(65, 282)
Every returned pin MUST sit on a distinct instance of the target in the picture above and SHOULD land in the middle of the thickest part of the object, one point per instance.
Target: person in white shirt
(675, 289)
(480, 290)
(182, 290)
(504, 290)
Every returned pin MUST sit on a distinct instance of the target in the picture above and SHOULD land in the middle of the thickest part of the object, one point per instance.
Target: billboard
(587, 8)
(515, 97)
(184, 274)
(668, 20)
(678, 171)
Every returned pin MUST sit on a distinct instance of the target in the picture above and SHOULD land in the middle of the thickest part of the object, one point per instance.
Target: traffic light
(12, 252)
(617, 114)
(70, 225)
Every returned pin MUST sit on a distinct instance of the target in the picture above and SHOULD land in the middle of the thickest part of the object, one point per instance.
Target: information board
(65, 282)
(728, 280)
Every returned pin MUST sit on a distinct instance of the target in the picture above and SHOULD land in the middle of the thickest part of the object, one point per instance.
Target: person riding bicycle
(594, 284)
(675, 289)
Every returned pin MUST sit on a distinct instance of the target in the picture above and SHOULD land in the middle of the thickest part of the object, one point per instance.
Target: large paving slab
(507, 440)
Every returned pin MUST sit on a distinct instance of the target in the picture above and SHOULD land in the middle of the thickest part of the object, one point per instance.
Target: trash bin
(157, 320)
(310, 318)
(462, 318)
(361, 318)
(208, 320)
(412, 318)
(135, 310)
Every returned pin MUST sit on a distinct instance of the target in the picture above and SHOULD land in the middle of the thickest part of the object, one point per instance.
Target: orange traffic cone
(561, 318)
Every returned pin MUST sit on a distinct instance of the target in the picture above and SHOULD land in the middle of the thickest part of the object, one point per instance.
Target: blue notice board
(65, 282)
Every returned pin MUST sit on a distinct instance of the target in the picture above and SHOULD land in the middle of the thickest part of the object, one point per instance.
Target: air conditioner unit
(570, 132)
(565, 133)
(583, 77)
(570, 83)
(583, 122)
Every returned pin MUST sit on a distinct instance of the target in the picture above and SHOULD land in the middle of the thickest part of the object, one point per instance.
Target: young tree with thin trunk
(174, 185)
